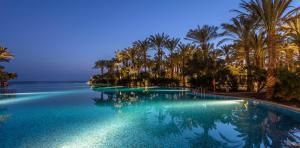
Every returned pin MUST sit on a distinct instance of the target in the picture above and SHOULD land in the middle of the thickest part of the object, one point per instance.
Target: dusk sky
(61, 39)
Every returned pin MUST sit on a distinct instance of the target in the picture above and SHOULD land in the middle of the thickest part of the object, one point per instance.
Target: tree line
(257, 50)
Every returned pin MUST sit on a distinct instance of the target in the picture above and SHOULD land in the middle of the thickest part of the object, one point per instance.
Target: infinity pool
(73, 115)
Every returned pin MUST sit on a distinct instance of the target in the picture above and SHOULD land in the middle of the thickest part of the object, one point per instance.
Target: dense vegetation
(259, 49)
(5, 56)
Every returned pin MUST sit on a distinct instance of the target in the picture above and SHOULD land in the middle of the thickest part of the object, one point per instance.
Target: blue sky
(61, 39)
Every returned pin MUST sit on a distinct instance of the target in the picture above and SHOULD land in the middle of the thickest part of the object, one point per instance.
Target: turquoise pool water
(73, 115)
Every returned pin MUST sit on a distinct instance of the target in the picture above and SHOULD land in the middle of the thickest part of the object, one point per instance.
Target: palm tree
(123, 62)
(240, 32)
(111, 66)
(157, 42)
(129, 59)
(203, 36)
(270, 15)
(101, 64)
(227, 51)
(293, 31)
(171, 45)
(185, 52)
(258, 43)
(137, 62)
(142, 47)
(5, 55)
(132, 55)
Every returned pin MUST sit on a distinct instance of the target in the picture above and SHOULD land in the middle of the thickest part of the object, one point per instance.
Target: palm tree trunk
(172, 67)
(249, 70)
(183, 75)
(299, 54)
(160, 62)
(145, 62)
(102, 69)
(271, 77)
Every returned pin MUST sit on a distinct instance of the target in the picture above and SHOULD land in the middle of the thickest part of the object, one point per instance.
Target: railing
(201, 91)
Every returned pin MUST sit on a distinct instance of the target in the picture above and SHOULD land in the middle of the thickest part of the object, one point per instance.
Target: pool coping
(294, 109)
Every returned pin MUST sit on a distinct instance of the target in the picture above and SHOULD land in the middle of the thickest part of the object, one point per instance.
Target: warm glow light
(23, 97)
(204, 103)
(96, 135)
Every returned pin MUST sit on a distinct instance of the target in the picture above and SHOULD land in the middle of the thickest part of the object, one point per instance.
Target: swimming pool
(73, 115)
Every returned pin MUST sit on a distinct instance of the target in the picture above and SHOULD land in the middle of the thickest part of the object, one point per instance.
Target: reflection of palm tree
(204, 140)
(258, 126)
(3, 116)
(281, 132)
(161, 115)
(248, 122)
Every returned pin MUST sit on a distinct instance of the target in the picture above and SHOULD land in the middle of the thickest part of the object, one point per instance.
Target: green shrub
(161, 81)
(224, 76)
(287, 86)
(204, 81)
(259, 76)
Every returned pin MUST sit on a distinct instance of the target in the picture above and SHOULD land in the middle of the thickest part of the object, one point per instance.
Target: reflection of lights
(32, 93)
(118, 105)
(22, 97)
(99, 88)
(4, 117)
(133, 99)
(95, 136)
(100, 133)
(246, 105)
(205, 103)
(169, 90)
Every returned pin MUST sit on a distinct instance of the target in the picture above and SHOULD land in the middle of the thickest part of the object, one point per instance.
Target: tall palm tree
(101, 64)
(143, 47)
(133, 57)
(157, 42)
(185, 52)
(240, 33)
(270, 15)
(203, 37)
(111, 68)
(171, 45)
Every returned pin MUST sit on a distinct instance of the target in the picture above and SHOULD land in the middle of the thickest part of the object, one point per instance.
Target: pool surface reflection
(72, 116)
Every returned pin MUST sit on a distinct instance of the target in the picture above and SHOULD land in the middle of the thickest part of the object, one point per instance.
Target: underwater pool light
(23, 97)
(203, 103)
